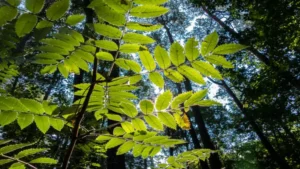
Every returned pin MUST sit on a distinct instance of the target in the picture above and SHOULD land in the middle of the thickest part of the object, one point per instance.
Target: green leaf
(33, 106)
(146, 152)
(44, 160)
(133, 65)
(148, 11)
(43, 123)
(124, 148)
(4, 141)
(128, 128)
(109, 15)
(162, 57)
(57, 9)
(108, 31)
(191, 73)
(157, 79)
(76, 35)
(137, 38)
(58, 43)
(114, 142)
(138, 149)
(226, 49)
(14, 3)
(208, 103)
(5, 161)
(176, 54)
(150, 2)
(25, 24)
(54, 56)
(114, 117)
(103, 138)
(105, 56)
(79, 62)
(191, 49)
(131, 48)
(25, 120)
(146, 106)
(35, 6)
(53, 49)
(181, 98)
(57, 124)
(135, 79)
(17, 165)
(29, 152)
(163, 100)
(63, 70)
(44, 24)
(129, 109)
(117, 5)
(7, 13)
(107, 45)
(174, 75)
(118, 131)
(209, 43)
(219, 60)
(14, 103)
(207, 69)
(167, 119)
(154, 151)
(196, 97)
(84, 55)
(7, 117)
(139, 124)
(142, 26)
(147, 60)
(154, 122)
(75, 19)
(11, 148)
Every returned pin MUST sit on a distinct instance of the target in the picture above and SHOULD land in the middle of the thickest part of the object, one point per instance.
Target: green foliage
(115, 40)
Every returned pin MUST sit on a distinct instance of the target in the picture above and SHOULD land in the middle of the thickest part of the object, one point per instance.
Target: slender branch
(214, 81)
(20, 161)
(79, 117)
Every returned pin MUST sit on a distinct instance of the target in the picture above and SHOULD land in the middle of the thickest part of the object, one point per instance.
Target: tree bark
(214, 160)
(263, 58)
(276, 157)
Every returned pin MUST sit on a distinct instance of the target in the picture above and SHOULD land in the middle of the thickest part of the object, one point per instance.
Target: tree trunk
(214, 159)
(276, 157)
(294, 81)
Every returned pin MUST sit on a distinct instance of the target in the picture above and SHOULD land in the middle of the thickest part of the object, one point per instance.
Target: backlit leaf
(163, 100)
(35, 6)
(124, 148)
(43, 123)
(154, 122)
(167, 119)
(25, 120)
(114, 142)
(146, 106)
(191, 49)
(74, 19)
(147, 60)
(209, 43)
(148, 11)
(25, 24)
(157, 79)
(191, 74)
(162, 57)
(206, 69)
(226, 49)
(137, 38)
(57, 9)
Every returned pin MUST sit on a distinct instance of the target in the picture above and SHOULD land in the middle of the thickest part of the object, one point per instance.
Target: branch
(79, 117)
(20, 161)
(210, 79)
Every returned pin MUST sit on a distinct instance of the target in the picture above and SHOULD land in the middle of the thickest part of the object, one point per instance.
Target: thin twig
(20, 161)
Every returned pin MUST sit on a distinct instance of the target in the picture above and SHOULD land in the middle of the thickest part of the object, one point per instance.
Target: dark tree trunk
(276, 157)
(263, 58)
(214, 160)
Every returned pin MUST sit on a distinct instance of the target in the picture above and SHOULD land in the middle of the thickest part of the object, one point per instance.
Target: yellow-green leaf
(137, 38)
(157, 79)
(139, 124)
(167, 119)
(105, 56)
(75, 19)
(108, 31)
(43, 123)
(154, 122)
(162, 57)
(146, 106)
(57, 9)
(148, 11)
(191, 49)
(107, 45)
(191, 74)
(207, 69)
(163, 100)
(219, 60)
(25, 120)
(209, 43)
(147, 60)
(128, 128)
(226, 49)
(124, 148)
(142, 26)
(176, 54)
